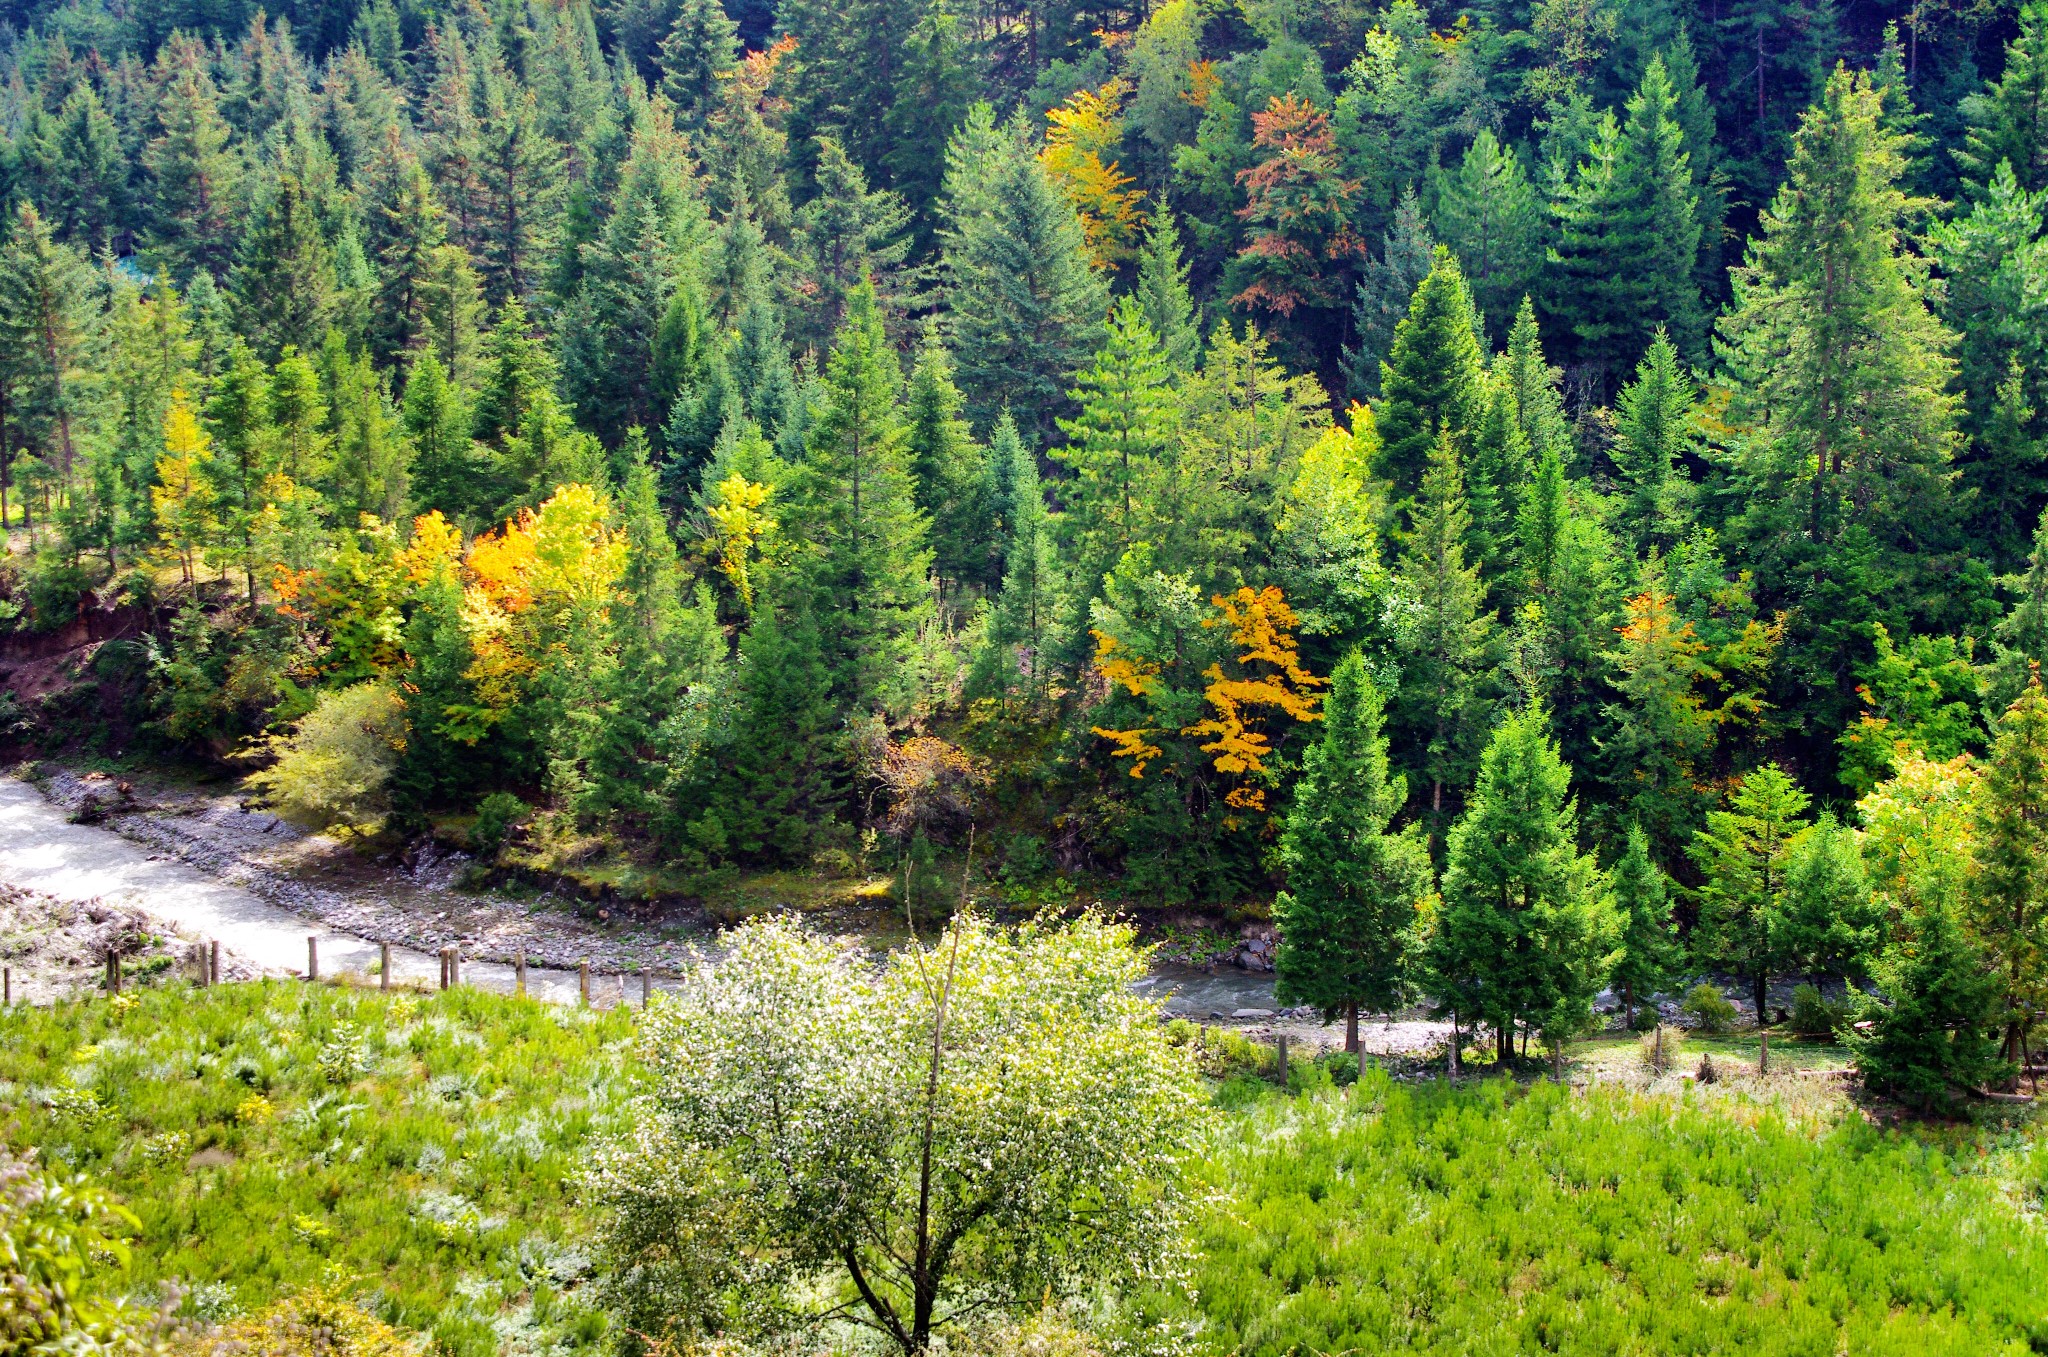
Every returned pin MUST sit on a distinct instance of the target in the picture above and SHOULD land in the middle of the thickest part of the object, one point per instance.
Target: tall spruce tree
(1523, 931)
(2009, 905)
(193, 176)
(2008, 120)
(1026, 304)
(1018, 655)
(283, 281)
(1743, 854)
(1844, 374)
(1125, 425)
(1347, 919)
(1431, 383)
(1163, 295)
(47, 323)
(949, 469)
(2019, 643)
(1654, 418)
(1385, 288)
(856, 508)
(1443, 634)
(1647, 953)
(1628, 237)
(1488, 214)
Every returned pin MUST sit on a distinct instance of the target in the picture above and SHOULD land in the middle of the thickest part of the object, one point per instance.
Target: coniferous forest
(1527, 509)
(1373, 455)
(716, 439)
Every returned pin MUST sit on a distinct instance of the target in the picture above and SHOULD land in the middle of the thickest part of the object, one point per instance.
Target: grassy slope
(1491, 1218)
(432, 1175)
(1486, 1218)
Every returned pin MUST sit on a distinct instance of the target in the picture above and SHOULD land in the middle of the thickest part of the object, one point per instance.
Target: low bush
(1816, 1016)
(334, 770)
(1709, 1009)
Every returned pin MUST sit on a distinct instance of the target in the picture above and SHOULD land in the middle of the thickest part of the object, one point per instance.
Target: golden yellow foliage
(530, 578)
(179, 496)
(739, 523)
(316, 1322)
(435, 548)
(1080, 137)
(1262, 628)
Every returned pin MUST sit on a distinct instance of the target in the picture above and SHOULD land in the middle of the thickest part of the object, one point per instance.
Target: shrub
(495, 817)
(315, 1322)
(1933, 1035)
(1709, 1009)
(334, 770)
(60, 1238)
(1816, 1016)
(1660, 1048)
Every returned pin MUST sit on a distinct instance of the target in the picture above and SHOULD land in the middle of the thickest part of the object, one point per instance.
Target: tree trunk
(1762, 994)
(1351, 1027)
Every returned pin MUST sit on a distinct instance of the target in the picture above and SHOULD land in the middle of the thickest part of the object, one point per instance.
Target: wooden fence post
(312, 957)
(213, 962)
(1283, 1059)
(646, 988)
(383, 965)
(7, 986)
(454, 966)
(519, 976)
(583, 982)
(1763, 1053)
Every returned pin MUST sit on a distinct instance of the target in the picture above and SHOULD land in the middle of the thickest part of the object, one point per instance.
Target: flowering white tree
(960, 1130)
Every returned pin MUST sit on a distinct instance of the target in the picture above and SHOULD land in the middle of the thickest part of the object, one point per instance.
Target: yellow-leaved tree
(179, 499)
(1080, 141)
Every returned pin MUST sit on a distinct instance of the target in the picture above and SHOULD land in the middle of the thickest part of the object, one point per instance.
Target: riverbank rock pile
(57, 949)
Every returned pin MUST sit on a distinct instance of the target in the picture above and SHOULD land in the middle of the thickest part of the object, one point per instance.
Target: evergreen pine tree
(932, 96)
(1125, 424)
(89, 201)
(949, 469)
(1540, 527)
(701, 49)
(370, 450)
(516, 372)
(1659, 735)
(1828, 922)
(1499, 476)
(1488, 214)
(2008, 121)
(1026, 304)
(1845, 374)
(856, 509)
(1628, 237)
(1934, 1036)
(283, 281)
(2019, 643)
(447, 472)
(1539, 400)
(1523, 929)
(1385, 288)
(193, 177)
(518, 182)
(1163, 296)
(2009, 905)
(846, 235)
(1648, 953)
(1654, 422)
(765, 789)
(47, 319)
(1443, 634)
(1743, 855)
(1022, 635)
(452, 307)
(1347, 918)
(1431, 384)
(237, 418)
(402, 235)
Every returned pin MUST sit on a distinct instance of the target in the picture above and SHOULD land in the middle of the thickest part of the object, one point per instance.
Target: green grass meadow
(419, 1151)
(416, 1149)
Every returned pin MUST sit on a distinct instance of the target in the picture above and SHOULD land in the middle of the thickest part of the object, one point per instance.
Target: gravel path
(40, 849)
